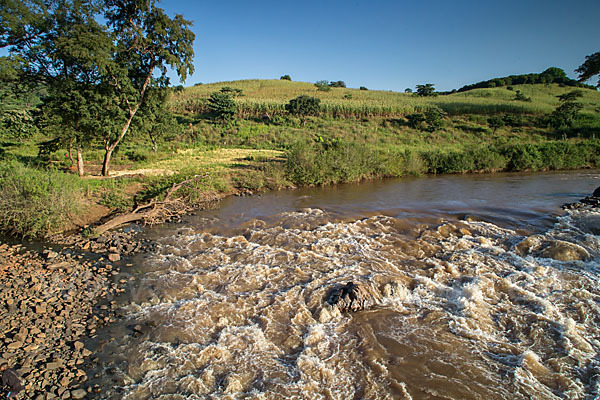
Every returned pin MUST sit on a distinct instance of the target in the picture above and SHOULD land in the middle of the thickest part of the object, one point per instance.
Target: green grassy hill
(270, 96)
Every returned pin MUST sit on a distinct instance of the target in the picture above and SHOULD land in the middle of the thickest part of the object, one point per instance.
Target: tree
(61, 43)
(495, 122)
(303, 106)
(426, 90)
(362, 88)
(589, 68)
(323, 86)
(285, 78)
(416, 120)
(221, 105)
(434, 117)
(154, 119)
(338, 84)
(146, 41)
(408, 90)
(568, 111)
(62, 47)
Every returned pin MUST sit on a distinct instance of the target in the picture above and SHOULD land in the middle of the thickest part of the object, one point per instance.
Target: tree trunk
(106, 162)
(80, 160)
(110, 147)
(154, 143)
(71, 153)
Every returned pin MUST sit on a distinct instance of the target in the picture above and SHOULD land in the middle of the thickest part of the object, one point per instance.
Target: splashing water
(464, 309)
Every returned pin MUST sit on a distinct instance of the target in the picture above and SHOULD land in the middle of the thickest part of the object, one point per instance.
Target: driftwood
(156, 211)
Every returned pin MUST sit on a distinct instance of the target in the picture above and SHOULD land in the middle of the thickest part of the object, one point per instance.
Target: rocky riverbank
(53, 301)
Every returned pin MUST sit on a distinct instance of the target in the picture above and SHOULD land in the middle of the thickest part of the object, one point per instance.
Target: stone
(78, 394)
(114, 257)
(50, 254)
(14, 345)
(351, 297)
(78, 345)
(565, 251)
(597, 192)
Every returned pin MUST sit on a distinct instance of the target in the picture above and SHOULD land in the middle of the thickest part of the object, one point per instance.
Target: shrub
(426, 90)
(35, 203)
(521, 97)
(323, 86)
(18, 124)
(221, 105)
(304, 105)
(285, 78)
(495, 122)
(338, 84)
(416, 120)
(363, 88)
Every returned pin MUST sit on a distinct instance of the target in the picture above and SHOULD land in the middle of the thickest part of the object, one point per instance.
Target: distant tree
(495, 122)
(521, 97)
(426, 90)
(589, 68)
(232, 92)
(416, 120)
(570, 96)
(337, 84)
(434, 117)
(362, 88)
(323, 86)
(568, 111)
(285, 78)
(221, 105)
(303, 106)
(408, 90)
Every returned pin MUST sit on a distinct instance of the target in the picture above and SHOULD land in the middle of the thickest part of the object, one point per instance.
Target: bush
(338, 84)
(285, 78)
(329, 161)
(221, 105)
(362, 88)
(304, 105)
(322, 86)
(18, 124)
(35, 203)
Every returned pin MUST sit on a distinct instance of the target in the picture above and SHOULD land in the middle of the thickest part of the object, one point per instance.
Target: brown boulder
(351, 298)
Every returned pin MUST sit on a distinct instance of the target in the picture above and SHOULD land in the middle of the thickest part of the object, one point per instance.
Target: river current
(483, 287)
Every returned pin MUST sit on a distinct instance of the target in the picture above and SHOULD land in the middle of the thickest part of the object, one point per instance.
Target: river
(483, 287)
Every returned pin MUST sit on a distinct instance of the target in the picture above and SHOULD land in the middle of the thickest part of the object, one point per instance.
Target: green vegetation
(551, 75)
(107, 98)
(34, 203)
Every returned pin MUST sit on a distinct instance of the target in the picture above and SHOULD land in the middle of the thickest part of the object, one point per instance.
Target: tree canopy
(62, 44)
(590, 68)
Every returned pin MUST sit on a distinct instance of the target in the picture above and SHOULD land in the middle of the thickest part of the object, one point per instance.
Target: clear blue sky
(388, 45)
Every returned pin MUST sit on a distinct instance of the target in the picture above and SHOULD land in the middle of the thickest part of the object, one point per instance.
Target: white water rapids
(473, 300)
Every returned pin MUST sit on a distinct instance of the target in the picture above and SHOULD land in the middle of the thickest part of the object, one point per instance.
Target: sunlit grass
(270, 96)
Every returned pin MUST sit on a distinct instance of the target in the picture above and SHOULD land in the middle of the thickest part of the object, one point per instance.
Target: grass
(362, 136)
(270, 96)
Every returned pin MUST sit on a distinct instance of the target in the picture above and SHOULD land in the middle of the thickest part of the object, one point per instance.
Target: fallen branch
(157, 211)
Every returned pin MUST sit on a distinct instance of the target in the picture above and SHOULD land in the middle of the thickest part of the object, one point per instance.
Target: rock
(50, 254)
(78, 345)
(565, 251)
(351, 298)
(78, 394)
(114, 257)
(14, 345)
(597, 192)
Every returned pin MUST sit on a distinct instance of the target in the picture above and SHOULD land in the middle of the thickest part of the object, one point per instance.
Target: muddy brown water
(231, 305)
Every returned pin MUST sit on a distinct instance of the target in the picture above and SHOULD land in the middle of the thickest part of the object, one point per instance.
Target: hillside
(270, 96)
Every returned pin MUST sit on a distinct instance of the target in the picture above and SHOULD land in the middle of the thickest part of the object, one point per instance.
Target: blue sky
(388, 45)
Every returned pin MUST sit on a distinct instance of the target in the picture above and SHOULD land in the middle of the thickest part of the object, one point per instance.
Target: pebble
(48, 309)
